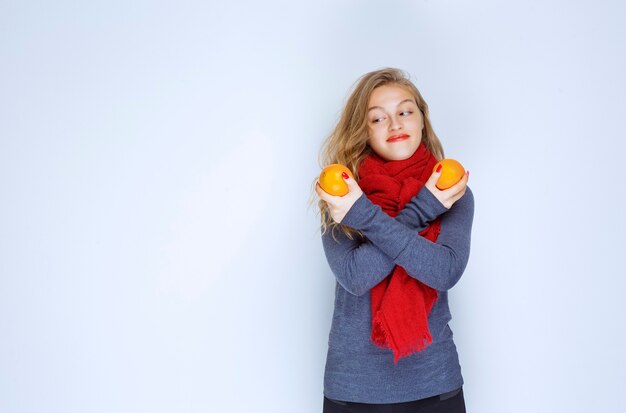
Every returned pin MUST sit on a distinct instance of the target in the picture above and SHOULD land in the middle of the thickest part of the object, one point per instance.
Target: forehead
(389, 95)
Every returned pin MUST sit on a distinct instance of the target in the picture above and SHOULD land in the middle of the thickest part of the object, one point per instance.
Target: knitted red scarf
(400, 304)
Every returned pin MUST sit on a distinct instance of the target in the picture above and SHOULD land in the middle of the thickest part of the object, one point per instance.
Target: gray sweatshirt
(357, 370)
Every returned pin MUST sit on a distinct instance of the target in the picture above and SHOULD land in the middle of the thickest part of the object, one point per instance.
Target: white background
(157, 252)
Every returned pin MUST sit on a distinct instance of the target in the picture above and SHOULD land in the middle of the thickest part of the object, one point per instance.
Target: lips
(397, 138)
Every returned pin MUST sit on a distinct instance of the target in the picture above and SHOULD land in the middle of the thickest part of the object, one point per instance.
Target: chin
(395, 157)
(401, 155)
(396, 151)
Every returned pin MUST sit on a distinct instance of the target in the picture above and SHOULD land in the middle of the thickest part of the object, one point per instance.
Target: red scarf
(400, 303)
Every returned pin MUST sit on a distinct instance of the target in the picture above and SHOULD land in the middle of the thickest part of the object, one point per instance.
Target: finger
(434, 177)
(458, 196)
(320, 192)
(331, 199)
(459, 186)
(352, 183)
(431, 183)
(464, 179)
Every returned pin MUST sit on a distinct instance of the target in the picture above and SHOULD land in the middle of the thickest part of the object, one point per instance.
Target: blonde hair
(347, 144)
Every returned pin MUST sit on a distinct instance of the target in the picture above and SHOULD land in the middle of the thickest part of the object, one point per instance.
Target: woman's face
(394, 123)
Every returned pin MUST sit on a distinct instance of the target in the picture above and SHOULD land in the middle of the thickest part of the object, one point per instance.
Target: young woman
(396, 244)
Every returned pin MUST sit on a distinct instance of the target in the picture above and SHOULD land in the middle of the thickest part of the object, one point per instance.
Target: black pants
(448, 403)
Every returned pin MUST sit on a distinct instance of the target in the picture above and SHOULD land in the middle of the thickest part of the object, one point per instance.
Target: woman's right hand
(448, 196)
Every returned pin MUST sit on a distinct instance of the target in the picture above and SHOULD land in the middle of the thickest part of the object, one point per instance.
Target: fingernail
(345, 175)
(439, 168)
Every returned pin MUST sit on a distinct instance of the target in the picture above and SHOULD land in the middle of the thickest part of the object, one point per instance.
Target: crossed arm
(359, 265)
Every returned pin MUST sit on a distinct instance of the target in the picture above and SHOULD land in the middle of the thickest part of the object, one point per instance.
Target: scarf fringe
(379, 330)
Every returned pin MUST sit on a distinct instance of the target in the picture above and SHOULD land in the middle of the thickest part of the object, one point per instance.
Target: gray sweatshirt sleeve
(358, 264)
(438, 265)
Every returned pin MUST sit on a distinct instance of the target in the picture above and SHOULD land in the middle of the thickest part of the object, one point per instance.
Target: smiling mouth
(397, 138)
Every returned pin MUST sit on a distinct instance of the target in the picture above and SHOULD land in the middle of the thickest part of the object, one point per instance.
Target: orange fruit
(331, 180)
(451, 172)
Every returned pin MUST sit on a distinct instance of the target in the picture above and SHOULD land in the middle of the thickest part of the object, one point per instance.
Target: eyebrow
(404, 101)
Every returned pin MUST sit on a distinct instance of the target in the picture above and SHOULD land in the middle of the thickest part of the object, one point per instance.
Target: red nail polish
(439, 168)
(345, 175)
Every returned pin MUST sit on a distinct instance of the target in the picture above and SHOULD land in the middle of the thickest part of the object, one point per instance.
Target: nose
(394, 123)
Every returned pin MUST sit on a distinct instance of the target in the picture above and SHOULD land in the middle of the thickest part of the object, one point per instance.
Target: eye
(406, 113)
(378, 120)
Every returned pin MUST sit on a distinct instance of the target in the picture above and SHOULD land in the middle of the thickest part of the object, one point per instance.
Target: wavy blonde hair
(347, 144)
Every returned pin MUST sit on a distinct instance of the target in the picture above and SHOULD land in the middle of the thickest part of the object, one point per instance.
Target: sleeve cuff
(431, 202)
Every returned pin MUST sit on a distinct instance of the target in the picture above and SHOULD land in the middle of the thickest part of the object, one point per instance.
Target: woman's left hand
(338, 206)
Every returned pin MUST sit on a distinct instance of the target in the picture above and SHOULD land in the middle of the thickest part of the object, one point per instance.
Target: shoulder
(468, 195)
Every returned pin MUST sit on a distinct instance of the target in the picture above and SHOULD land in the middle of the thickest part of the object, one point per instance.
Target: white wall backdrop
(157, 252)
